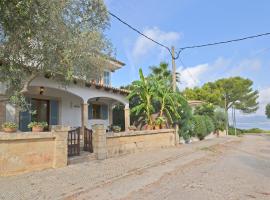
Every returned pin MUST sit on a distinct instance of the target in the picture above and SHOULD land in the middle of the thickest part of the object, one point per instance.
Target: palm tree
(168, 101)
(162, 72)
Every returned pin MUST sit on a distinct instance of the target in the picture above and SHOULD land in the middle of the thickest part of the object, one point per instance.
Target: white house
(77, 105)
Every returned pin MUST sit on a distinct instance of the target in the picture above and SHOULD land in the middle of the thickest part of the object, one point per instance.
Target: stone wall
(132, 141)
(26, 152)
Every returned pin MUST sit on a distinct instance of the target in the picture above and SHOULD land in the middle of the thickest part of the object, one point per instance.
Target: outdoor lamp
(41, 90)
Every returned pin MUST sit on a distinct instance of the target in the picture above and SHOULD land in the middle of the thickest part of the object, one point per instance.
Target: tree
(267, 110)
(205, 109)
(166, 100)
(227, 92)
(62, 39)
(162, 72)
(142, 90)
(231, 92)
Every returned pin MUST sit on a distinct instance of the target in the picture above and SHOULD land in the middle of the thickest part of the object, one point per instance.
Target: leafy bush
(219, 120)
(200, 128)
(232, 131)
(186, 123)
(210, 127)
(205, 109)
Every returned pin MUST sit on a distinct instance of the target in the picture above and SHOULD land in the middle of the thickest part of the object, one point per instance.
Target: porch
(76, 105)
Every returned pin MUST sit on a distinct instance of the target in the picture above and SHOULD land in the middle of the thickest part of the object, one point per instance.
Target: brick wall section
(26, 152)
(132, 141)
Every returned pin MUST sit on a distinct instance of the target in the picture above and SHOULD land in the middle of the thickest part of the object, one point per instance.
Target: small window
(106, 78)
(96, 111)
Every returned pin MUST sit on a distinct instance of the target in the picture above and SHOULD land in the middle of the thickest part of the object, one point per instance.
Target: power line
(187, 47)
(225, 42)
(139, 32)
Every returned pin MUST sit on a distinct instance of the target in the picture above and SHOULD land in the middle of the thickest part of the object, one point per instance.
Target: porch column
(110, 114)
(84, 117)
(127, 117)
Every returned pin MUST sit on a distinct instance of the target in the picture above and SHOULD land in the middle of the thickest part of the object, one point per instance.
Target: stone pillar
(127, 117)
(61, 151)
(99, 141)
(110, 114)
(84, 118)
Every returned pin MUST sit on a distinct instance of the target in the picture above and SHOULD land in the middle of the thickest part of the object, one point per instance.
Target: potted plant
(149, 127)
(9, 127)
(37, 126)
(132, 128)
(156, 125)
(160, 122)
(116, 129)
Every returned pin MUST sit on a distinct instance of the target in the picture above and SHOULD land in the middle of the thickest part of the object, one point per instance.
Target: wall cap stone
(26, 135)
(136, 133)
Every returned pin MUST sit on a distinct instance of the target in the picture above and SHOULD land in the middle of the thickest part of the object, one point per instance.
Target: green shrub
(232, 131)
(254, 130)
(210, 127)
(200, 128)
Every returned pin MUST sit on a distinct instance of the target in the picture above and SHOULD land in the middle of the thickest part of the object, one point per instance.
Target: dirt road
(234, 170)
(222, 168)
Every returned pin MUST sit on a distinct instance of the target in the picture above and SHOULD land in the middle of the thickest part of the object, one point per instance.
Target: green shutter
(54, 112)
(90, 111)
(104, 111)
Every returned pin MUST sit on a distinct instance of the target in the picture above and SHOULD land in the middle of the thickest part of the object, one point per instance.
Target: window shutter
(25, 118)
(90, 111)
(104, 111)
(54, 110)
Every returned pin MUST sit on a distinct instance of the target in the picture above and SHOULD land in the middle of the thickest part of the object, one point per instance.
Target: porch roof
(100, 86)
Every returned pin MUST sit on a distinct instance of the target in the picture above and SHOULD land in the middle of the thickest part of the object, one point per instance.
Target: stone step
(83, 157)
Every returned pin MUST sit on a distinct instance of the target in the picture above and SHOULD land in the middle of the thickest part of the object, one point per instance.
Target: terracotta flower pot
(37, 129)
(10, 130)
(149, 127)
(163, 126)
(157, 127)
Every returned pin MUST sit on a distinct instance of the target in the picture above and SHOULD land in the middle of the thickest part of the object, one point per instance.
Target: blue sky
(187, 22)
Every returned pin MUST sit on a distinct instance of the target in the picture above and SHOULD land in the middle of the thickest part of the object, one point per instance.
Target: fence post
(177, 138)
(99, 141)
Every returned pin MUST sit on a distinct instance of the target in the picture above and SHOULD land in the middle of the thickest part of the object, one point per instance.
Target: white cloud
(264, 99)
(191, 76)
(143, 46)
(220, 68)
(246, 65)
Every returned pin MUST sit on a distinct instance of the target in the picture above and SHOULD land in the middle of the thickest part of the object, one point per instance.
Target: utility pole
(173, 70)
(177, 139)
(226, 112)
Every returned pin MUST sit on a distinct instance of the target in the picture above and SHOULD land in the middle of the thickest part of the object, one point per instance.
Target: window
(96, 111)
(106, 78)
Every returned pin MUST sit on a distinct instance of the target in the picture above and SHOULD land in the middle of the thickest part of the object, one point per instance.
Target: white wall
(69, 104)
(10, 113)
(80, 91)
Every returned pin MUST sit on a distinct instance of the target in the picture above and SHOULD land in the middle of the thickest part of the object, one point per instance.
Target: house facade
(78, 104)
